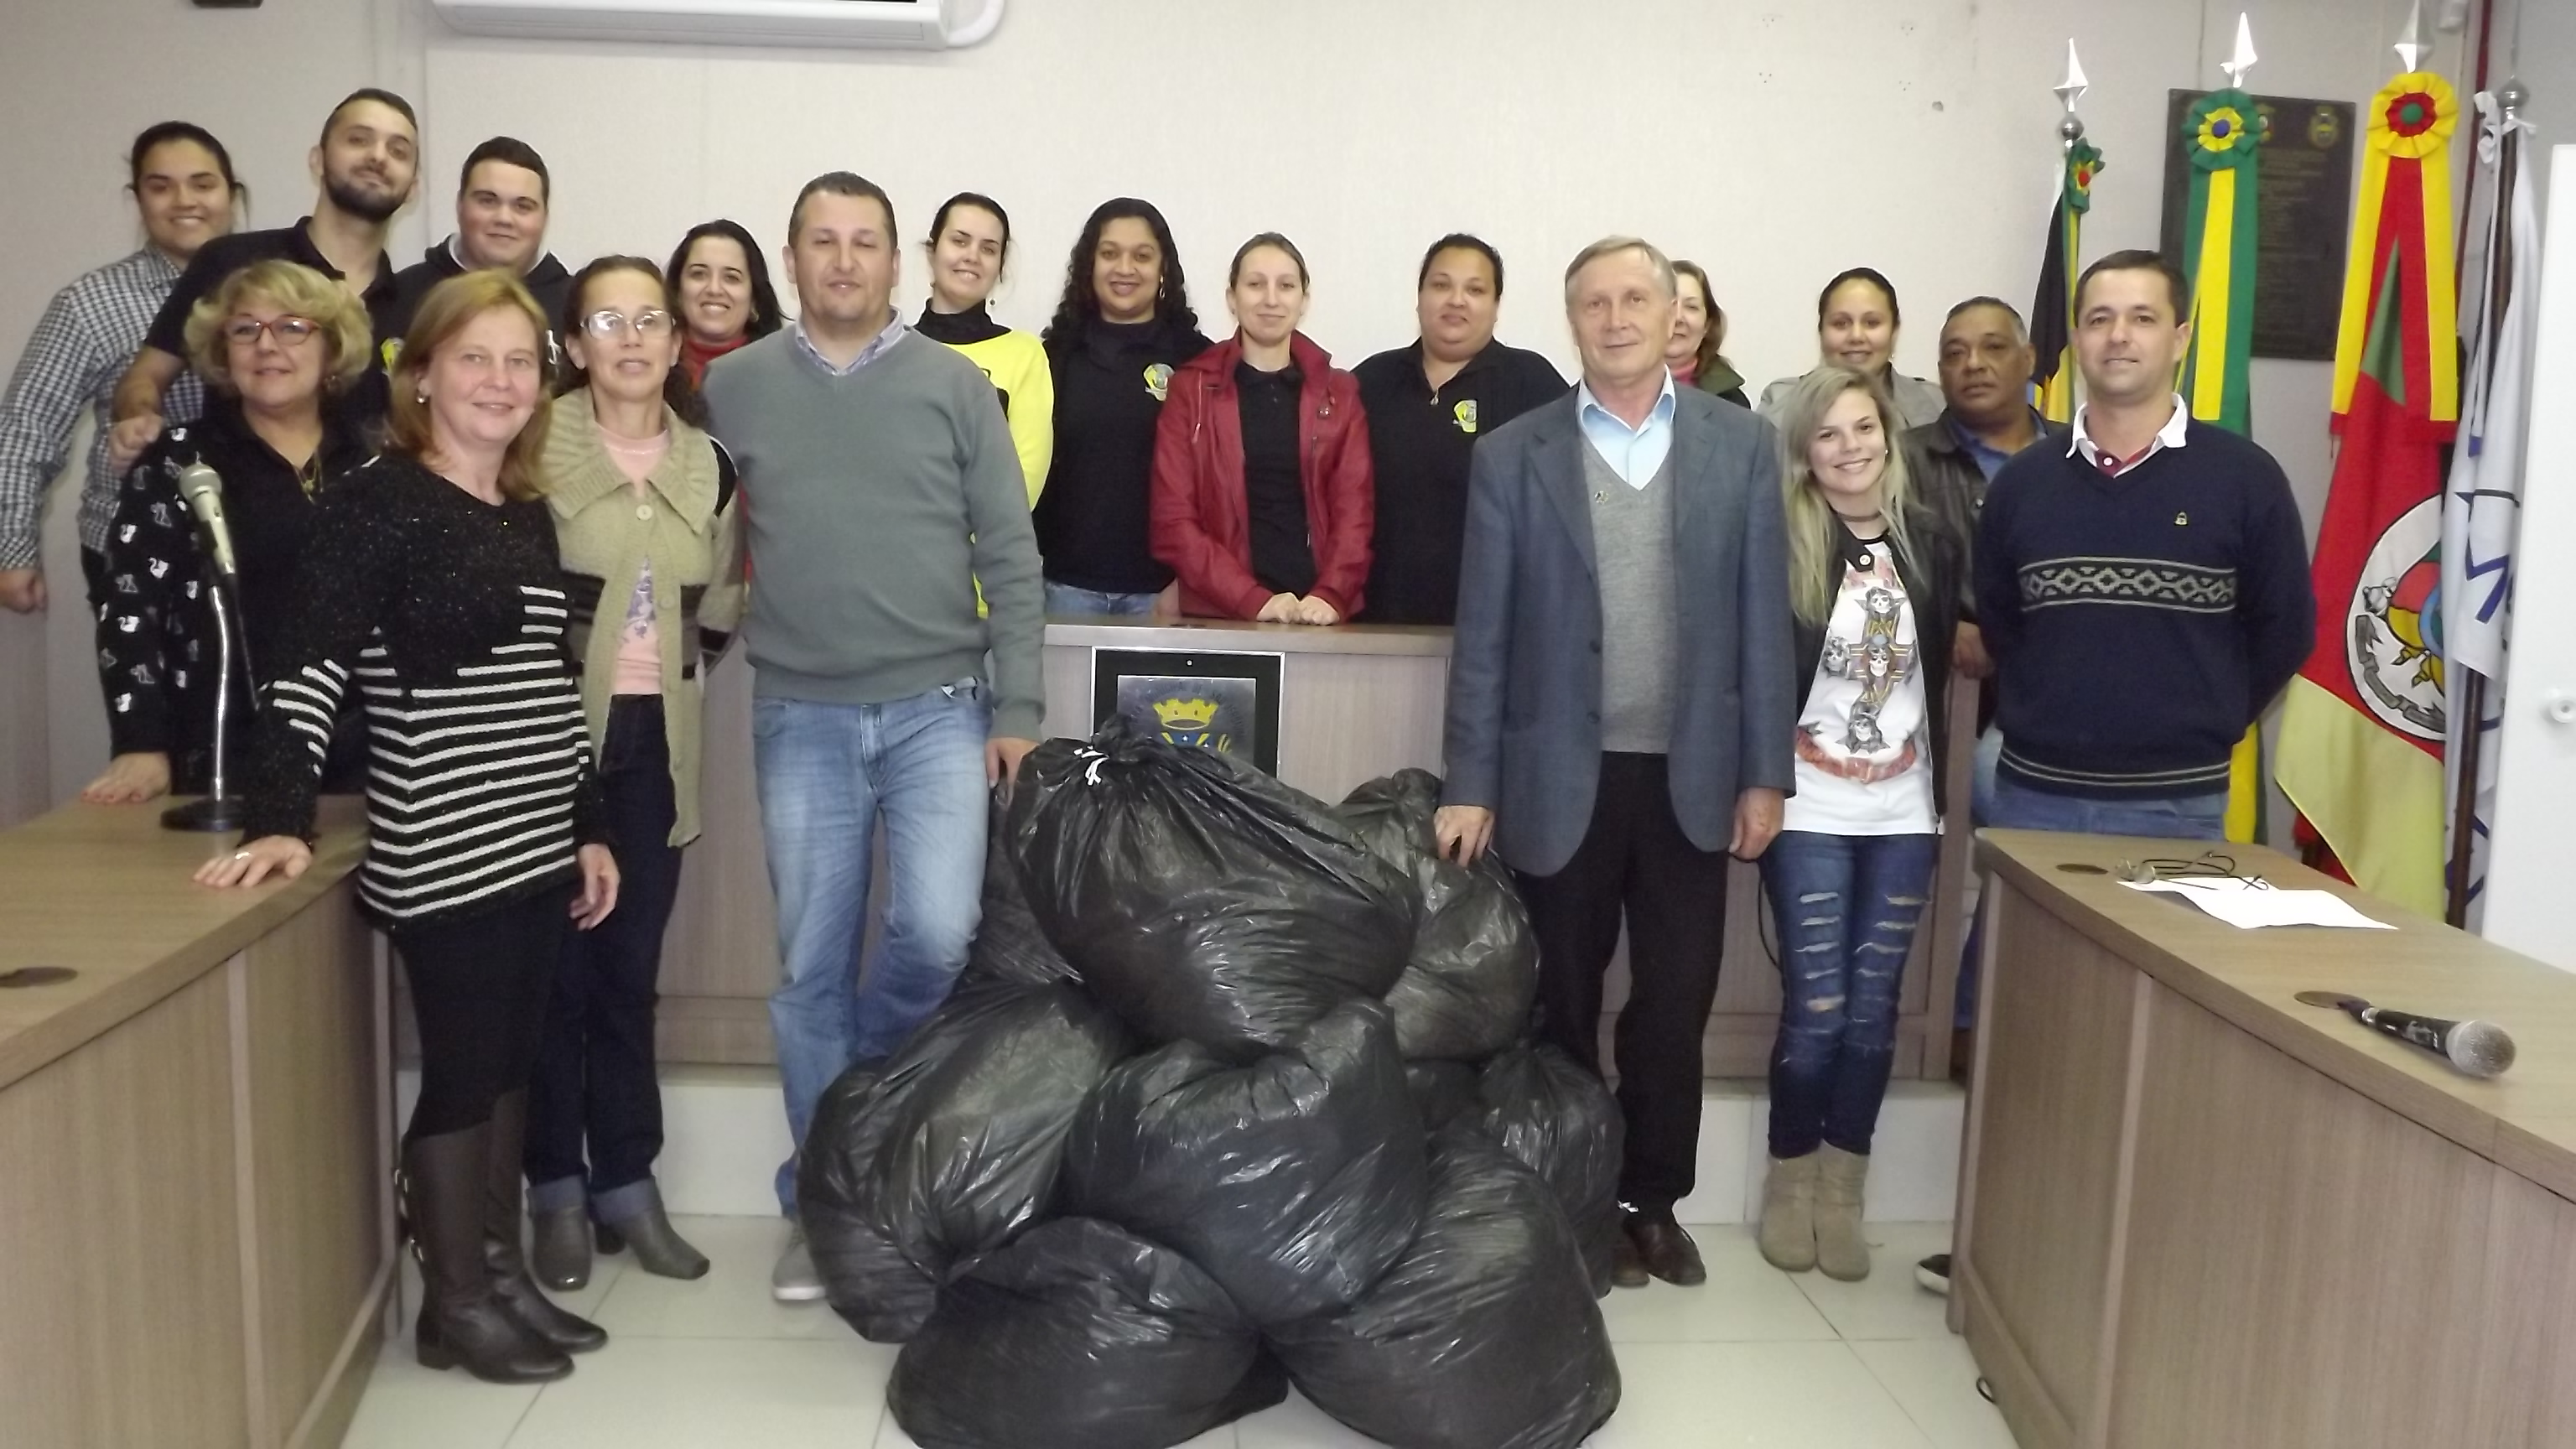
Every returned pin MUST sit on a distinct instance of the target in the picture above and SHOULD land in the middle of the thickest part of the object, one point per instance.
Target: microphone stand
(219, 808)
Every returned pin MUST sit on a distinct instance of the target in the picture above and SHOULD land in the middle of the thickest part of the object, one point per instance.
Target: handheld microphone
(2479, 1048)
(204, 490)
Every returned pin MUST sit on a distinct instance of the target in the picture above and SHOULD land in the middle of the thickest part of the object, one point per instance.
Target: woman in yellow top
(970, 240)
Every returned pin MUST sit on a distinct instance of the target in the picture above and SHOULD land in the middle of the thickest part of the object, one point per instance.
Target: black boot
(461, 1321)
(505, 1268)
(646, 1227)
(562, 1246)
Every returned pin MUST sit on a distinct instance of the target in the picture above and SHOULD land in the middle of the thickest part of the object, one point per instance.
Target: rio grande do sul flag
(2362, 729)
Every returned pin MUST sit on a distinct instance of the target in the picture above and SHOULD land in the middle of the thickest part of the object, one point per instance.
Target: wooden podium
(2194, 1214)
(196, 1237)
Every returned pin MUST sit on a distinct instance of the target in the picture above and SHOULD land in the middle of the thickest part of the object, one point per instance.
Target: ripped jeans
(1847, 907)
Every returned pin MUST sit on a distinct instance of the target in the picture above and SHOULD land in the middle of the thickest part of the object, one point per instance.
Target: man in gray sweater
(879, 485)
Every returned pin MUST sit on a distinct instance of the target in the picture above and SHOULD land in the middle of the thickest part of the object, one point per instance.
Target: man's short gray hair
(1611, 246)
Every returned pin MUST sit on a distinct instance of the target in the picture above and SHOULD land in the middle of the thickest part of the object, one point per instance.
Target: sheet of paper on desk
(2249, 904)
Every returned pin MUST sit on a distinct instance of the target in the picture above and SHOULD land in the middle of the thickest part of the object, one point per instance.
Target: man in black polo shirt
(368, 161)
(503, 201)
(1427, 404)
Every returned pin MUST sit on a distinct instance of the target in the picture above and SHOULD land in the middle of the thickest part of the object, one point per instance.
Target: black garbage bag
(1200, 898)
(1484, 1335)
(1009, 948)
(1293, 1181)
(1561, 1122)
(1080, 1335)
(1442, 1091)
(1466, 991)
(951, 1150)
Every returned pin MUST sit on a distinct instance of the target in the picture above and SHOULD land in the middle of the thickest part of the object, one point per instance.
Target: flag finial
(2243, 61)
(2410, 44)
(2070, 91)
(2512, 97)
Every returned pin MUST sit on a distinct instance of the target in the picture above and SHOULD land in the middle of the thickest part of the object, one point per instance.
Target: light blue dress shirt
(1632, 453)
(876, 348)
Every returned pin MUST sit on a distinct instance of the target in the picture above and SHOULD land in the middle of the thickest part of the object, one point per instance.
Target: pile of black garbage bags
(1236, 1091)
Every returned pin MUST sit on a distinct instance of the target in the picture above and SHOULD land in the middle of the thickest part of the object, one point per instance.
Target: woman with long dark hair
(1123, 327)
(642, 501)
(432, 584)
(720, 285)
(1264, 491)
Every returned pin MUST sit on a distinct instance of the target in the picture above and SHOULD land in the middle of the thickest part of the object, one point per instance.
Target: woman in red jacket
(1263, 500)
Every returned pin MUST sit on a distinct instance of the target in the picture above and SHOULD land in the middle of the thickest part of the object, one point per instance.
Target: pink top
(639, 642)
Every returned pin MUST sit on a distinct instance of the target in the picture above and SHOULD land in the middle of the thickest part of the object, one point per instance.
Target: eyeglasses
(289, 331)
(650, 323)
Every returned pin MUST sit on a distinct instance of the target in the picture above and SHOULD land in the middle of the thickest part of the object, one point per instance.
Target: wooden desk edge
(39, 1045)
(1237, 636)
(2477, 1129)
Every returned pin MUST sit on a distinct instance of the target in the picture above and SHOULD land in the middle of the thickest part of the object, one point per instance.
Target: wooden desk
(1357, 702)
(195, 1241)
(2196, 1213)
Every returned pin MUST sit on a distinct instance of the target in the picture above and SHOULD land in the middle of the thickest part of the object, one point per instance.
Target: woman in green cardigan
(645, 517)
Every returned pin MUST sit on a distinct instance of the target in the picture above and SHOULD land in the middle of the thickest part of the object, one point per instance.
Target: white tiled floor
(1757, 1358)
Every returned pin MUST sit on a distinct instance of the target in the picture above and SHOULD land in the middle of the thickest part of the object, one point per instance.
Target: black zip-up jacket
(1094, 517)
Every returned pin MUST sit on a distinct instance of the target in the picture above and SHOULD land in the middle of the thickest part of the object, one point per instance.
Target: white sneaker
(794, 1279)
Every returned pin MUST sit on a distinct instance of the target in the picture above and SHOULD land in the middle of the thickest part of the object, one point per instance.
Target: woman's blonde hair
(338, 319)
(1815, 536)
(450, 308)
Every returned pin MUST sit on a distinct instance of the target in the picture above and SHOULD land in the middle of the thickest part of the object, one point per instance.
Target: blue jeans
(2015, 806)
(1067, 600)
(1847, 907)
(827, 772)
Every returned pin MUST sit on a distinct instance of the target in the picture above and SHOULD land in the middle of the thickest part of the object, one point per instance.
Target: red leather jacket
(1200, 523)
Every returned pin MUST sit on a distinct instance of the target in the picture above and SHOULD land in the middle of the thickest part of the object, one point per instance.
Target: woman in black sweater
(277, 342)
(432, 579)
(1124, 327)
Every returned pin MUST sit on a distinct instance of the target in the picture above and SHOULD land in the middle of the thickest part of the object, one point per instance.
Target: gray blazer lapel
(1695, 474)
(1557, 453)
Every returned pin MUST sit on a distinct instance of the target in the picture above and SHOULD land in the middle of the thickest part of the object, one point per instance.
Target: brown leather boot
(461, 1322)
(503, 1263)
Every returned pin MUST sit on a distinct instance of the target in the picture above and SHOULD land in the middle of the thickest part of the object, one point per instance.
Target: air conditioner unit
(884, 24)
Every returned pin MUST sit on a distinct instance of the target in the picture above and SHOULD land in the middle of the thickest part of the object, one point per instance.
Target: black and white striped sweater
(449, 612)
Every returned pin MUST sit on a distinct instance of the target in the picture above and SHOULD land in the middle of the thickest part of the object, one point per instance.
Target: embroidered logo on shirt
(2182, 520)
(1158, 380)
(1465, 413)
(392, 352)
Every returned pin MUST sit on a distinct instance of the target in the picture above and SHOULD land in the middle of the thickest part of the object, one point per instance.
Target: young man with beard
(367, 163)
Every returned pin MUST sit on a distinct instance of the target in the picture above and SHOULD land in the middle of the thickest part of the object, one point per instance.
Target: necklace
(309, 476)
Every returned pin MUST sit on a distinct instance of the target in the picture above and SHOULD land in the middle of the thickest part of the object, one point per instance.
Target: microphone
(2479, 1048)
(204, 490)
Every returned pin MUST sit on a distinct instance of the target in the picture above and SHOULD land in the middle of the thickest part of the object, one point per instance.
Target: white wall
(1774, 142)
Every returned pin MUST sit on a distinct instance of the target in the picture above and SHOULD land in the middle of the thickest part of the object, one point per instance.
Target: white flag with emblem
(2482, 506)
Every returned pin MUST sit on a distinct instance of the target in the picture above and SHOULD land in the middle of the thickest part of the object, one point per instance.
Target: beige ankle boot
(1840, 1249)
(1788, 1232)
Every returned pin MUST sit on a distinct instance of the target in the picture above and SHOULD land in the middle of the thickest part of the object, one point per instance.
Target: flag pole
(2458, 878)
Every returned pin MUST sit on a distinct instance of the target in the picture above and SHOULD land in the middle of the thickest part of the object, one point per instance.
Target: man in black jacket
(502, 203)
(1427, 404)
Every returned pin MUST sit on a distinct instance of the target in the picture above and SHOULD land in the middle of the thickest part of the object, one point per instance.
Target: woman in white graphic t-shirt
(1874, 579)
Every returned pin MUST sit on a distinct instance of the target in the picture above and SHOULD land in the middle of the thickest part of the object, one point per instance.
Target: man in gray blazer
(1621, 703)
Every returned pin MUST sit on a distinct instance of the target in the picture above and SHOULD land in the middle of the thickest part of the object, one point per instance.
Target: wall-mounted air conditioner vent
(899, 24)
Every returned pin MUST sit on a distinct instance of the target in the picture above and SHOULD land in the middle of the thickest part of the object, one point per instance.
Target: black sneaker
(1934, 1273)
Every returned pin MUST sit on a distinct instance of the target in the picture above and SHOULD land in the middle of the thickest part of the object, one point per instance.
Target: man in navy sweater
(2144, 590)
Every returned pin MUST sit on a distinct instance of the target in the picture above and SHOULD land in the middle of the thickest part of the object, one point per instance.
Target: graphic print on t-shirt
(1869, 651)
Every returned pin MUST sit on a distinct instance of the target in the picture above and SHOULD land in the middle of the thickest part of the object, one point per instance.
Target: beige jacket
(605, 532)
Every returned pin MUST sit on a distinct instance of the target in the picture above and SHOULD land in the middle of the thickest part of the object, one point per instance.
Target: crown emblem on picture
(1187, 715)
